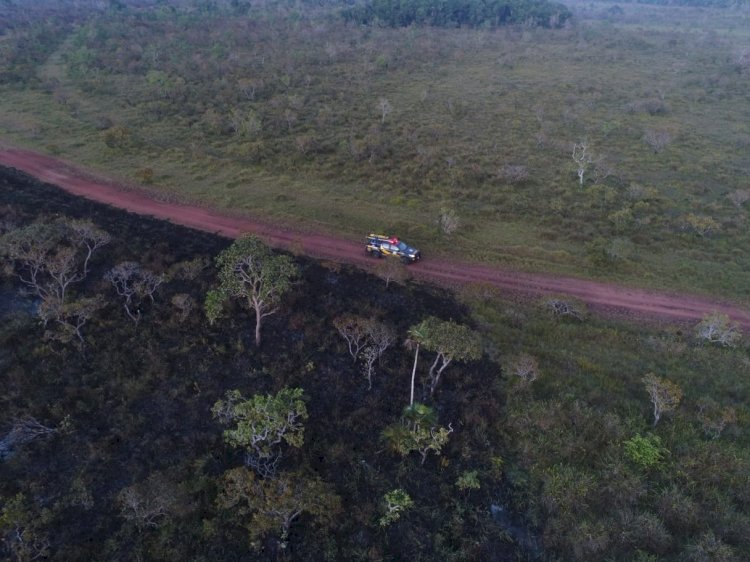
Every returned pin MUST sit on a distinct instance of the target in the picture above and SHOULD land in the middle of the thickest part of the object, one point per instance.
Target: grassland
(282, 119)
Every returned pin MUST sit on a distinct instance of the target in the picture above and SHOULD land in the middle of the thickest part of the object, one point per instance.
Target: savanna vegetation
(371, 421)
(612, 143)
(172, 395)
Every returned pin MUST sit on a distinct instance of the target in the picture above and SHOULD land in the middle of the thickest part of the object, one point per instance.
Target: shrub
(646, 452)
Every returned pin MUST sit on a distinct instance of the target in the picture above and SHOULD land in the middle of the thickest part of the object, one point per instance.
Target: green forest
(169, 394)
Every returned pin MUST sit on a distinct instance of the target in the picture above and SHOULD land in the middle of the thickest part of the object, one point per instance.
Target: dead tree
(134, 284)
(23, 431)
(582, 158)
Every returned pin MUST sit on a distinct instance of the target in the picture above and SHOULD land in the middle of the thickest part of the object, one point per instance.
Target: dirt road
(604, 297)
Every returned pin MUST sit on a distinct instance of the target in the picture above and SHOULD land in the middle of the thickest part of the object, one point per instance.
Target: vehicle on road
(379, 245)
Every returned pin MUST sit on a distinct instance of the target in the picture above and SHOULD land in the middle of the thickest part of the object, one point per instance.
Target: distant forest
(456, 13)
(695, 3)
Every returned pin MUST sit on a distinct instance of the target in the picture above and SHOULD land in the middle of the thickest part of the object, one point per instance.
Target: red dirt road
(599, 296)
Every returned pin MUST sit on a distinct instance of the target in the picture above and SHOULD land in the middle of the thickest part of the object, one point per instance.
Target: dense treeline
(457, 13)
(694, 3)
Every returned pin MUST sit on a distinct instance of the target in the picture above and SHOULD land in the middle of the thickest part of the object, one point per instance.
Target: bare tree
(385, 108)
(602, 170)
(741, 59)
(714, 418)
(184, 303)
(23, 431)
(380, 337)
(133, 283)
(417, 336)
(739, 197)
(525, 368)
(719, 328)
(391, 269)
(565, 308)
(248, 87)
(657, 139)
(367, 339)
(582, 159)
(448, 221)
(354, 330)
(49, 258)
(513, 173)
(290, 117)
(665, 395)
(148, 503)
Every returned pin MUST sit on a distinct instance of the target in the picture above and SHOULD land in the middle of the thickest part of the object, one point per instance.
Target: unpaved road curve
(604, 297)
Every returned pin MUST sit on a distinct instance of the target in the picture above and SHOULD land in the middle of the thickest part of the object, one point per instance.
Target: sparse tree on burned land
(49, 258)
(250, 271)
(380, 337)
(149, 503)
(418, 431)
(449, 341)
(396, 502)
(134, 284)
(417, 336)
(354, 330)
(367, 339)
(391, 269)
(262, 424)
(273, 504)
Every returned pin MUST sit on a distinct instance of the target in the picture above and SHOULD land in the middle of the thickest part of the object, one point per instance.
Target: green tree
(396, 502)
(273, 504)
(262, 424)
(469, 480)
(250, 271)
